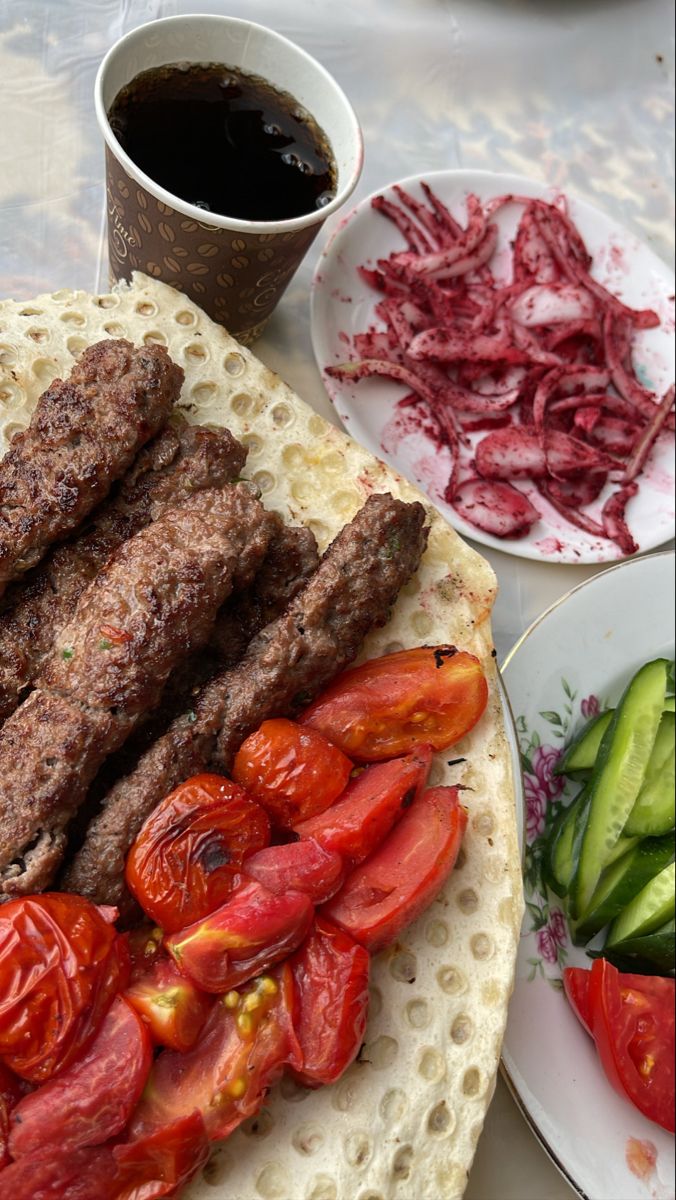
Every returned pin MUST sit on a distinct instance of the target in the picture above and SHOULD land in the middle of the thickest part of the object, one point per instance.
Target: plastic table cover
(578, 93)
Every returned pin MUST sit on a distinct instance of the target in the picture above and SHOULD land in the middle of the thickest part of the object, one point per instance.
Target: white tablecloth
(575, 92)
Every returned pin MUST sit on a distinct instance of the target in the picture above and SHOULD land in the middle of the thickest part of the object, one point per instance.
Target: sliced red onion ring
(616, 436)
(614, 523)
(443, 414)
(441, 212)
(552, 304)
(417, 239)
(604, 400)
(576, 493)
(440, 261)
(572, 514)
(533, 260)
(442, 345)
(495, 507)
(577, 273)
(518, 453)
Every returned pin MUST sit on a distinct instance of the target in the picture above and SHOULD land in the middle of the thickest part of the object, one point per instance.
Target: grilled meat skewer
(180, 460)
(84, 434)
(291, 559)
(288, 663)
(152, 604)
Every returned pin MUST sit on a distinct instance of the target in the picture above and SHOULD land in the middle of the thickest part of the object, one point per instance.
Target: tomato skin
(170, 1005)
(186, 860)
(241, 1052)
(370, 805)
(576, 982)
(88, 1174)
(390, 705)
(299, 867)
(331, 974)
(397, 883)
(634, 1033)
(61, 964)
(93, 1099)
(293, 772)
(11, 1090)
(163, 1161)
(250, 933)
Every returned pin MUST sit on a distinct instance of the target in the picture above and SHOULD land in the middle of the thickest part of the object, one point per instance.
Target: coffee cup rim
(208, 218)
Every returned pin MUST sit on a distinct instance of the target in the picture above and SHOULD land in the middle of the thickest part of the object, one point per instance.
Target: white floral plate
(343, 304)
(578, 655)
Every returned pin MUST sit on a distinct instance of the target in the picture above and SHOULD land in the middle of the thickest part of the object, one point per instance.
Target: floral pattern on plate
(545, 794)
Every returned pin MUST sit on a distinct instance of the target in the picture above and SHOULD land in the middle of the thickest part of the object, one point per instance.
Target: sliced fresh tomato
(634, 1034)
(577, 981)
(170, 1005)
(94, 1098)
(163, 1161)
(89, 1174)
(11, 1090)
(61, 963)
(299, 867)
(397, 883)
(250, 933)
(432, 695)
(186, 860)
(331, 973)
(293, 772)
(370, 805)
(248, 1038)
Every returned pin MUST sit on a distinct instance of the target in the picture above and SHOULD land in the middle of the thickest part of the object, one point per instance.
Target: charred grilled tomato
(298, 867)
(331, 974)
(431, 695)
(91, 1100)
(370, 806)
(170, 1005)
(61, 964)
(188, 856)
(399, 880)
(293, 772)
(251, 932)
(248, 1038)
(160, 1163)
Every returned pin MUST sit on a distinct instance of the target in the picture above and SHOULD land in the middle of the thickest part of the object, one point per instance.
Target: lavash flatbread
(404, 1121)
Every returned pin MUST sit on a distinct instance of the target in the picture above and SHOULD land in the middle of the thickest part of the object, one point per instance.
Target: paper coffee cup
(236, 270)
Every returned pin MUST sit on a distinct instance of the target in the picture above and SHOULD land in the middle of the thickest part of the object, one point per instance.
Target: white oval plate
(583, 650)
(343, 304)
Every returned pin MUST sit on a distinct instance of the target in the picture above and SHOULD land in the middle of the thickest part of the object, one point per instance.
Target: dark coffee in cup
(225, 141)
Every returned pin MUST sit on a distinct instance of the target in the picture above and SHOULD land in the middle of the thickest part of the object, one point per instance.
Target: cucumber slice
(652, 907)
(559, 861)
(621, 882)
(670, 704)
(656, 949)
(582, 752)
(655, 809)
(622, 846)
(618, 775)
